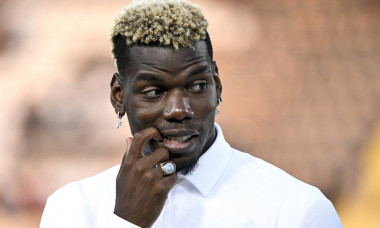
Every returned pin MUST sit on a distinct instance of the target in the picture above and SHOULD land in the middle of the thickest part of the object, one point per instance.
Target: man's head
(167, 78)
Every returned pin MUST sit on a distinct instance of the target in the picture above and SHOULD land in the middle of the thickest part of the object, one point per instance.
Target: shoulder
(264, 184)
(272, 194)
(98, 184)
(90, 191)
(79, 204)
(267, 175)
(260, 181)
(80, 200)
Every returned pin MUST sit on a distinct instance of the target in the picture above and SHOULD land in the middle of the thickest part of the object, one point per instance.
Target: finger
(157, 172)
(170, 181)
(158, 156)
(140, 139)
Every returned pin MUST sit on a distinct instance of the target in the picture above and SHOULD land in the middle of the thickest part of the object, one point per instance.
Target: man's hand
(141, 188)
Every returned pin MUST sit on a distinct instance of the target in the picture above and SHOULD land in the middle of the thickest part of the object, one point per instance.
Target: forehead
(166, 58)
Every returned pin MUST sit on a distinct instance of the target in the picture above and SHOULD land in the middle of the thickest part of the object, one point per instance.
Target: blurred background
(301, 84)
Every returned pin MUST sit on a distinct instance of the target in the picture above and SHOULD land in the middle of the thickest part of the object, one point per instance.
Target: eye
(198, 86)
(152, 92)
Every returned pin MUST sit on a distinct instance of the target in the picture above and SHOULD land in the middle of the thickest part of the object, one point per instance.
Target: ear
(117, 91)
(218, 82)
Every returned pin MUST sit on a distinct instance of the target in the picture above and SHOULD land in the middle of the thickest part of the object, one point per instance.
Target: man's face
(175, 92)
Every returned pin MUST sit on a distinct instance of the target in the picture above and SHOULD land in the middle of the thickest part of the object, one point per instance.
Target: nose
(178, 108)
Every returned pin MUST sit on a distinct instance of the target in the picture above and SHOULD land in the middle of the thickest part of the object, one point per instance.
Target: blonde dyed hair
(160, 22)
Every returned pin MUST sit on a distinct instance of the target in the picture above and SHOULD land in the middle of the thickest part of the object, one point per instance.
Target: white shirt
(228, 189)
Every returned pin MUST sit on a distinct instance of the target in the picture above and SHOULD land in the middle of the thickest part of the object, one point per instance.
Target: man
(178, 170)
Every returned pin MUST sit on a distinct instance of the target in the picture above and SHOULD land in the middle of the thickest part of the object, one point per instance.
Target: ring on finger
(167, 168)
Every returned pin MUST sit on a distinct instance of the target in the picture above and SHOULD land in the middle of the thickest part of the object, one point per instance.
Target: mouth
(175, 140)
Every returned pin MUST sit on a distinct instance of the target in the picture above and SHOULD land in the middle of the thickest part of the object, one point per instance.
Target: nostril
(176, 120)
(178, 108)
(178, 114)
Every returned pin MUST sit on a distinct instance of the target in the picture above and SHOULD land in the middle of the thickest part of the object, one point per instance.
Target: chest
(187, 207)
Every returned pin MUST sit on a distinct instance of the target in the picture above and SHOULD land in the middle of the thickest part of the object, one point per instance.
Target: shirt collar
(210, 165)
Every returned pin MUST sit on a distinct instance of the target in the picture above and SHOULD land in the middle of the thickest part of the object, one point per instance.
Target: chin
(187, 168)
(186, 165)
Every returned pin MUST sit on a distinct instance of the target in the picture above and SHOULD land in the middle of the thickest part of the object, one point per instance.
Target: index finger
(140, 139)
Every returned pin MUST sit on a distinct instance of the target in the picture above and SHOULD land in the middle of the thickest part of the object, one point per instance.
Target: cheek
(142, 116)
(205, 108)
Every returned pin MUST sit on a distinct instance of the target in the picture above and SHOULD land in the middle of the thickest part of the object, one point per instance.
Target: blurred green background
(301, 84)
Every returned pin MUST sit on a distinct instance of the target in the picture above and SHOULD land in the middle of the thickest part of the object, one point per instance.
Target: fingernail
(158, 137)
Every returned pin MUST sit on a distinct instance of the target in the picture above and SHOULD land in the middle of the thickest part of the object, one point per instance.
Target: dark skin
(170, 99)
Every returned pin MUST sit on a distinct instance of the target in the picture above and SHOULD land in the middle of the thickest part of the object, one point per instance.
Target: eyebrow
(152, 77)
(199, 70)
(148, 77)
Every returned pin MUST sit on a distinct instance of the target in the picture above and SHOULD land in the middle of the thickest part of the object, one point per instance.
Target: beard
(188, 168)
